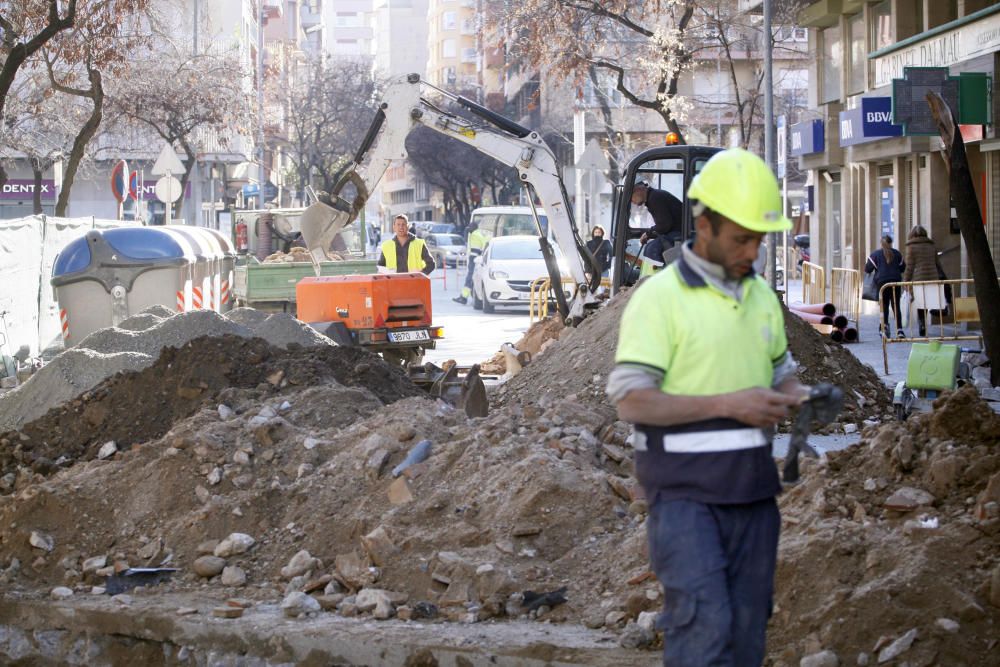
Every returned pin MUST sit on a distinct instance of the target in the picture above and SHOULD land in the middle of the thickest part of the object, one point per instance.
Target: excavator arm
(402, 108)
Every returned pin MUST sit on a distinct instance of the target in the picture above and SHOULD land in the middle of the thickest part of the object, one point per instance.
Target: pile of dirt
(136, 406)
(135, 344)
(579, 362)
(527, 499)
(865, 395)
(535, 340)
(893, 535)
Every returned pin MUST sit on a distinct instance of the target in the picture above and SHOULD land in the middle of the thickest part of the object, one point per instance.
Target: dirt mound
(136, 406)
(579, 362)
(134, 345)
(865, 395)
(895, 533)
(524, 500)
(534, 341)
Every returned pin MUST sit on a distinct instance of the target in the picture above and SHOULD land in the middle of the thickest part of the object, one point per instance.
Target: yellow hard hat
(739, 185)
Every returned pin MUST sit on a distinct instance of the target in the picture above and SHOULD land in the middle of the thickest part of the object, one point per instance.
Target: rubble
(532, 512)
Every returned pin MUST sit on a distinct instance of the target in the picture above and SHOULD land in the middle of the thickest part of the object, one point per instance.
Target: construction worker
(404, 252)
(474, 248)
(703, 372)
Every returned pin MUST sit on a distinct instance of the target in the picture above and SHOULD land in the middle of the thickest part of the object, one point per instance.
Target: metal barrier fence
(845, 294)
(440, 262)
(538, 296)
(813, 283)
(929, 296)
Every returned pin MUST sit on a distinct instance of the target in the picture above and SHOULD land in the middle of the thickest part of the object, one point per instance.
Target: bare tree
(27, 26)
(183, 97)
(642, 45)
(329, 112)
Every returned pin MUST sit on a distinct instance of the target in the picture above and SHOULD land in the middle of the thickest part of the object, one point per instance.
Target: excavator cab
(669, 169)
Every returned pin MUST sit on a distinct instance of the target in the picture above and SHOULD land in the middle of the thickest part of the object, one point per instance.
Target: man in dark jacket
(888, 265)
(667, 212)
(404, 252)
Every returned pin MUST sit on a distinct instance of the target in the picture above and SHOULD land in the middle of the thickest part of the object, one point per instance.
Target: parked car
(451, 246)
(504, 273)
(425, 227)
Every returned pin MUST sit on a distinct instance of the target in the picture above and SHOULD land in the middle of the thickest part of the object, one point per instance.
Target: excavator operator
(704, 372)
(404, 252)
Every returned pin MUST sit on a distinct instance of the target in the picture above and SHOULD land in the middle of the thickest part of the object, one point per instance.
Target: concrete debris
(299, 604)
(61, 593)
(41, 541)
(821, 659)
(898, 647)
(227, 612)
(208, 566)
(235, 544)
(233, 576)
(300, 564)
(907, 498)
(107, 450)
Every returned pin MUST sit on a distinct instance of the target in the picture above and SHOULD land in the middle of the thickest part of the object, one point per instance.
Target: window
(449, 21)
(347, 20)
(448, 76)
(881, 23)
(859, 54)
(347, 47)
(448, 48)
(831, 62)
(469, 55)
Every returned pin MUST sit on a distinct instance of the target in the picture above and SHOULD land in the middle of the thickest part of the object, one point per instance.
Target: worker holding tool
(476, 244)
(404, 252)
(666, 211)
(704, 373)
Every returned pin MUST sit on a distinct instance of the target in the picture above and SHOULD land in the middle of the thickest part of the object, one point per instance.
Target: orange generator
(389, 313)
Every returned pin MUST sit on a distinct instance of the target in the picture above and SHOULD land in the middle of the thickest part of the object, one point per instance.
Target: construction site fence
(813, 283)
(441, 267)
(943, 320)
(29, 314)
(845, 294)
(538, 296)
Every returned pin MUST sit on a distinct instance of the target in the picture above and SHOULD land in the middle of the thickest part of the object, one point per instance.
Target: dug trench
(277, 502)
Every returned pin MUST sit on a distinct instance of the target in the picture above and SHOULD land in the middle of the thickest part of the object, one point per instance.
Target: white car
(504, 273)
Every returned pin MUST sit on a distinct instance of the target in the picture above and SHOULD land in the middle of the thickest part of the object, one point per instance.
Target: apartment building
(452, 46)
(875, 164)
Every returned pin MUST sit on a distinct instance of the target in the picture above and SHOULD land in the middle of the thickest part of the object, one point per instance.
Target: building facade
(876, 165)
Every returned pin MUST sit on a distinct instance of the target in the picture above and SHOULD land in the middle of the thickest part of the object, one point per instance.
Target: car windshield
(442, 227)
(448, 239)
(515, 224)
(521, 249)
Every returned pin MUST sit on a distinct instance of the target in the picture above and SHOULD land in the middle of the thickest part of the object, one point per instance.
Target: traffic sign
(168, 189)
(167, 163)
(119, 184)
(593, 157)
(133, 185)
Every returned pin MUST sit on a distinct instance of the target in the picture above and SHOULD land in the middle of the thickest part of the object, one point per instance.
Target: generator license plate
(408, 336)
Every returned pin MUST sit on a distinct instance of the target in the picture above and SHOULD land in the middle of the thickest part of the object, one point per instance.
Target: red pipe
(814, 318)
(837, 336)
(840, 321)
(816, 308)
(850, 335)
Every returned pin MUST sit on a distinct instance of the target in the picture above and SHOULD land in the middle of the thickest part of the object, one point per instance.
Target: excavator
(393, 312)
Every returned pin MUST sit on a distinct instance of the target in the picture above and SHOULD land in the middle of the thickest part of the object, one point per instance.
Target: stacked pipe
(824, 318)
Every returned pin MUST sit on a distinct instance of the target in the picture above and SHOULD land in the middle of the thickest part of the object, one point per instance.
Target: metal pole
(195, 30)
(260, 102)
(772, 250)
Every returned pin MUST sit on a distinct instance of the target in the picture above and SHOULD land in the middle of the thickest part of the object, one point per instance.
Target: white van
(509, 221)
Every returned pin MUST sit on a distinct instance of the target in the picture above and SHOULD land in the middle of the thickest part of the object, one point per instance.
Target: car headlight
(498, 275)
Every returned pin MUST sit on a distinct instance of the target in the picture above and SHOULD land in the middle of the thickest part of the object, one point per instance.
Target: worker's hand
(644, 237)
(758, 406)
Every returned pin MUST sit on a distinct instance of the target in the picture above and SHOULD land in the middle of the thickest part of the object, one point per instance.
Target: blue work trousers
(716, 564)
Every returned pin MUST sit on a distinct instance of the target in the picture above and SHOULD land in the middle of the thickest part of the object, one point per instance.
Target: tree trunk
(609, 130)
(87, 133)
(179, 204)
(970, 222)
(36, 192)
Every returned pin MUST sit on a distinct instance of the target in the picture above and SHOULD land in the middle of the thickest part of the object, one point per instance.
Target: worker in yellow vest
(404, 252)
(476, 244)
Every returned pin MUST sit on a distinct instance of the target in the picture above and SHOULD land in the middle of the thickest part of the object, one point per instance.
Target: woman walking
(600, 248)
(921, 264)
(888, 265)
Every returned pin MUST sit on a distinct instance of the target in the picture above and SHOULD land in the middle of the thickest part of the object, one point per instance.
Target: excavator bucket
(460, 387)
(319, 224)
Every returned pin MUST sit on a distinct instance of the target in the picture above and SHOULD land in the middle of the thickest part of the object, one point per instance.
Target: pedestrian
(475, 244)
(921, 264)
(888, 265)
(404, 252)
(600, 248)
(703, 372)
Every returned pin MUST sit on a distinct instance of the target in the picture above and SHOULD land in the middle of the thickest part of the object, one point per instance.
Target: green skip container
(932, 366)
